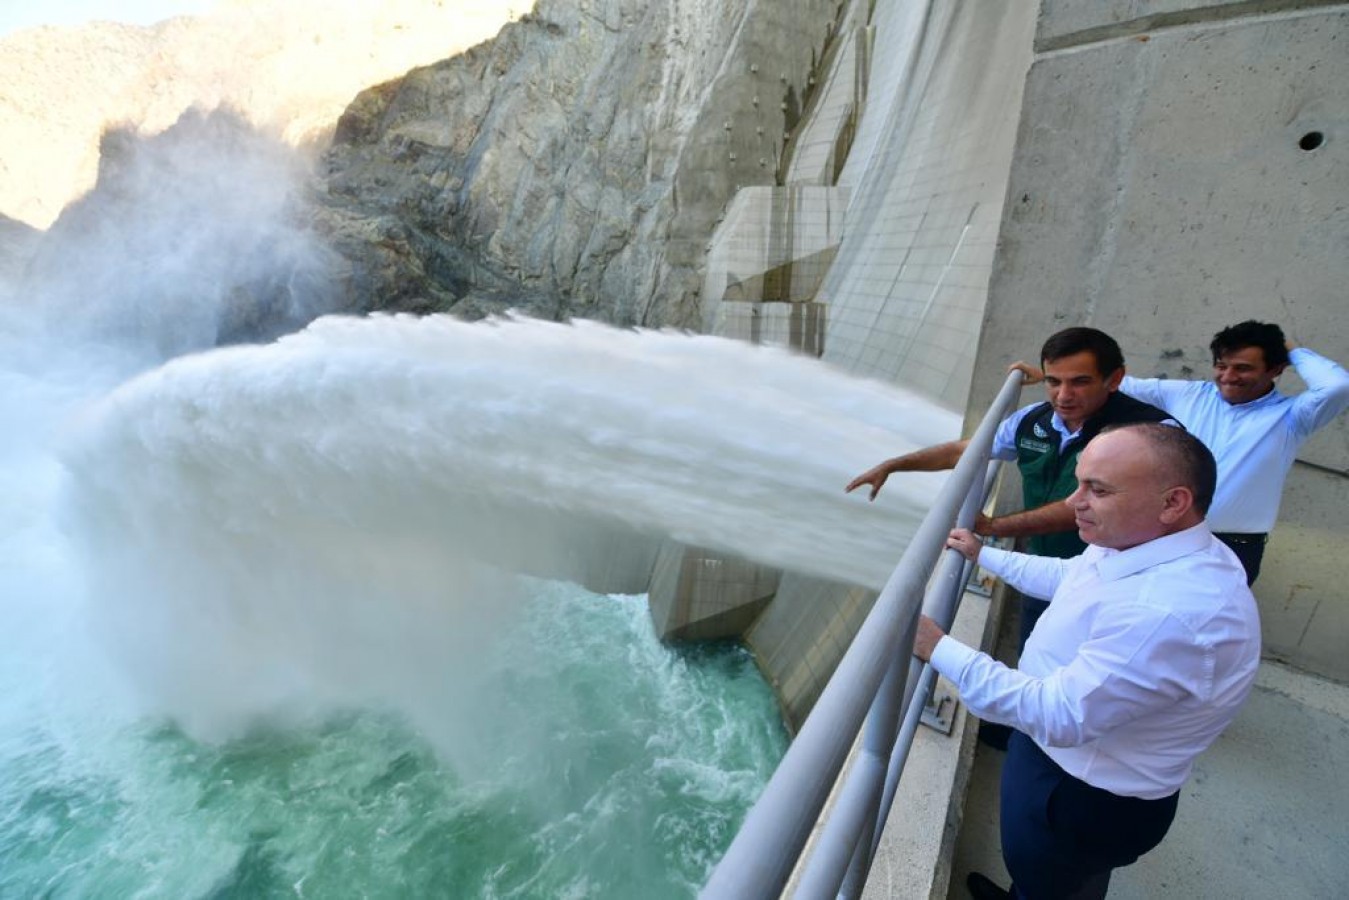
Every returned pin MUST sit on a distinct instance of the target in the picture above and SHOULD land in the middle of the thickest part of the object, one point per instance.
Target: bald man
(1149, 647)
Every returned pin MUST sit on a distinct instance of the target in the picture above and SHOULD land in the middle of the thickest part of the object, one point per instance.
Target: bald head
(1140, 482)
(1181, 459)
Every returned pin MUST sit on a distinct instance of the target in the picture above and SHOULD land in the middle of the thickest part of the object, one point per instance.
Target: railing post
(940, 602)
(762, 855)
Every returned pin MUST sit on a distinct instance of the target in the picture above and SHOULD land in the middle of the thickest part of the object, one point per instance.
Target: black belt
(1238, 538)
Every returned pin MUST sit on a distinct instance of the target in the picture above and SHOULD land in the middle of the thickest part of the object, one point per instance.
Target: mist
(340, 517)
(261, 526)
(192, 238)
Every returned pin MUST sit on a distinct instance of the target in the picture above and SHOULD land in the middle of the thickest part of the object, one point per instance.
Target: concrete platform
(1265, 814)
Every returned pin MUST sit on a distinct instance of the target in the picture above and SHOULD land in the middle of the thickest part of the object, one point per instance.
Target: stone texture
(575, 165)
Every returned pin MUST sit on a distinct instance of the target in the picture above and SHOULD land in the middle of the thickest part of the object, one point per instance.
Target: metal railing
(877, 679)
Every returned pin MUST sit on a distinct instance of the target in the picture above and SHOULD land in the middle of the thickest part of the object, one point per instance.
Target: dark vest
(1048, 473)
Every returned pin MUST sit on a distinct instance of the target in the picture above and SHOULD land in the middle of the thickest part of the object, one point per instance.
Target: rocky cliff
(574, 166)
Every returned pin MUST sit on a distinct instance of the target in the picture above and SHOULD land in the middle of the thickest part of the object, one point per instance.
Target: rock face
(574, 166)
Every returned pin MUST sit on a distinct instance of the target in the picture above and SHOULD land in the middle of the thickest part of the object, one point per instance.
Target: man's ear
(1276, 371)
(1115, 378)
(1176, 504)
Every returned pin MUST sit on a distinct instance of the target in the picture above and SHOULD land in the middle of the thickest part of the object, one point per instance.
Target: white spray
(329, 519)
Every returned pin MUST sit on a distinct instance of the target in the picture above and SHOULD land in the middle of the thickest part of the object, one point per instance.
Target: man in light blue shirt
(1253, 430)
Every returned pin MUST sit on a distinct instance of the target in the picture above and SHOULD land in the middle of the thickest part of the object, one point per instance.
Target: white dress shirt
(1254, 443)
(1143, 657)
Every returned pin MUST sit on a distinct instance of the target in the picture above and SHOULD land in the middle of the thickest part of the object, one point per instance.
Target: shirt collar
(1272, 397)
(1062, 428)
(1115, 564)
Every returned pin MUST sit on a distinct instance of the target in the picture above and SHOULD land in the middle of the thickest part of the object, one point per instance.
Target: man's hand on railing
(925, 639)
(967, 542)
(1033, 375)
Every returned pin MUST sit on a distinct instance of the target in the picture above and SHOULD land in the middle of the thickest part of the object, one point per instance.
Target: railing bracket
(939, 713)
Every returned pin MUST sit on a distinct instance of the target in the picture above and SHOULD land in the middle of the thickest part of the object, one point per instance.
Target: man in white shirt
(1149, 647)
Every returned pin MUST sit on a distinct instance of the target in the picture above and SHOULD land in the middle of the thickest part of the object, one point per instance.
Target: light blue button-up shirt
(1254, 443)
(1143, 657)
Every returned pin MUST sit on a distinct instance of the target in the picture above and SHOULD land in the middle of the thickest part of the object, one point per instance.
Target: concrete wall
(1180, 167)
(697, 594)
(905, 295)
(1167, 180)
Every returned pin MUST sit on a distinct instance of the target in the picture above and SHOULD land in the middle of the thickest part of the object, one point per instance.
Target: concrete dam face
(412, 675)
(975, 177)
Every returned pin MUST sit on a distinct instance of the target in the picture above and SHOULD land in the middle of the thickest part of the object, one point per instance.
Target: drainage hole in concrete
(1311, 140)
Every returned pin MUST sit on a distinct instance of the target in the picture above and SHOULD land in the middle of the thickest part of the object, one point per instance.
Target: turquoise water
(619, 768)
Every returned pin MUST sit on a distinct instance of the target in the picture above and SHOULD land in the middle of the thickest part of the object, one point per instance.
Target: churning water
(302, 618)
(266, 632)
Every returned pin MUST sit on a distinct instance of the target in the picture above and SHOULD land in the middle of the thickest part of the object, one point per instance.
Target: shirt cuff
(950, 658)
(994, 559)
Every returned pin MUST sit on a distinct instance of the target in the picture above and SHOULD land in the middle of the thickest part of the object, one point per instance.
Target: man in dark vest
(1083, 368)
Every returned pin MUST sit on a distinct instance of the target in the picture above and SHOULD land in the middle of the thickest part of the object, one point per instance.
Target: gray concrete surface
(905, 293)
(1264, 814)
(1166, 184)
(914, 856)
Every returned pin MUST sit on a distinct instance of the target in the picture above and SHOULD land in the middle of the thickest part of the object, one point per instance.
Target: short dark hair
(1267, 336)
(1080, 339)
(1180, 455)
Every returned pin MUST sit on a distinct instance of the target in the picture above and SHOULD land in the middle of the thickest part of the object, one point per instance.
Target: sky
(16, 14)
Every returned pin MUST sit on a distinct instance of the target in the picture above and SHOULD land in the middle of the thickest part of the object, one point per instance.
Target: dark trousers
(1061, 836)
(1249, 548)
(991, 733)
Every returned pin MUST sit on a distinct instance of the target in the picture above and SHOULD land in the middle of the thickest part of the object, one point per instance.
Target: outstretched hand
(1033, 374)
(875, 476)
